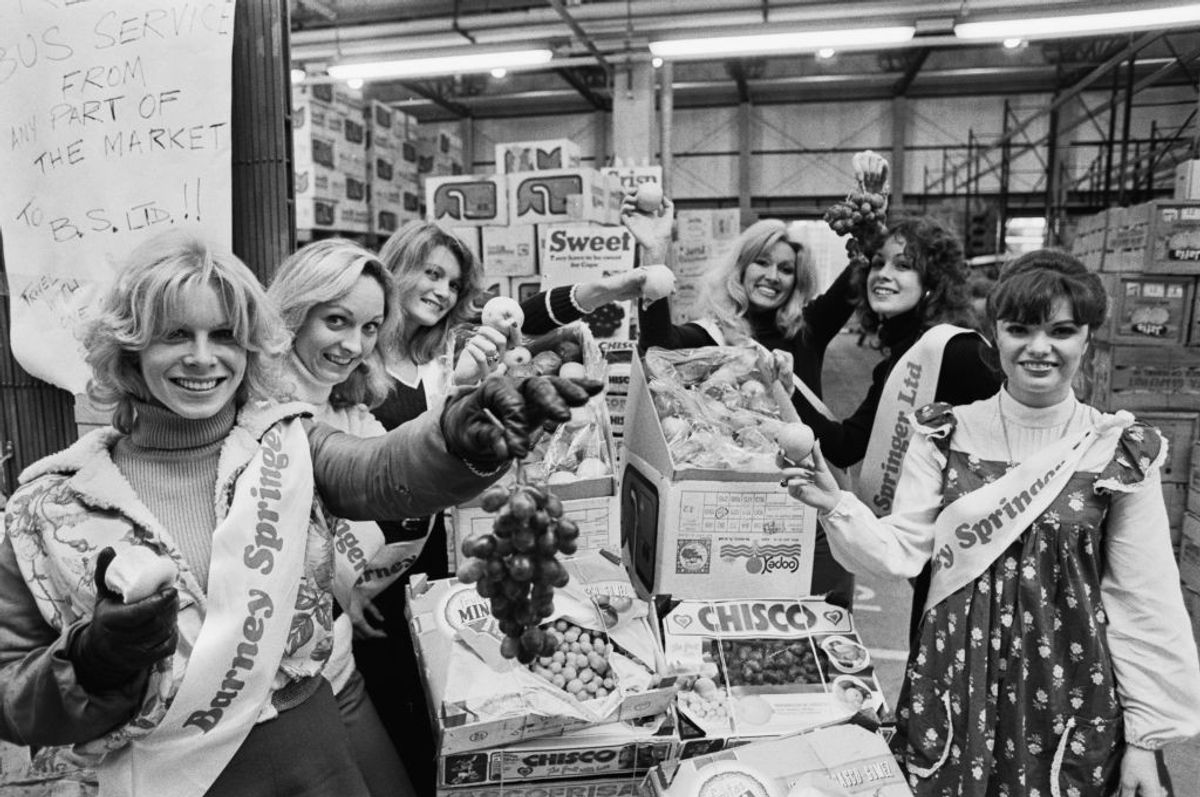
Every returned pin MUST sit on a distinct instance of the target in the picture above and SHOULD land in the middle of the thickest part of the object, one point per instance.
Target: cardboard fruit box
(623, 786)
(766, 668)
(480, 700)
(700, 532)
(845, 759)
(589, 499)
(615, 749)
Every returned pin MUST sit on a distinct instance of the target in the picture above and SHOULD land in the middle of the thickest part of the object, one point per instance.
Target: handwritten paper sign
(114, 125)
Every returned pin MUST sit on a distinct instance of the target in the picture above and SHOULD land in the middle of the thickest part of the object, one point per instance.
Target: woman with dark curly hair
(913, 294)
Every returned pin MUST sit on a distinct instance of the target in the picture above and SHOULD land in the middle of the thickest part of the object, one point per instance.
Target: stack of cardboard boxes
(1147, 358)
(355, 163)
(551, 223)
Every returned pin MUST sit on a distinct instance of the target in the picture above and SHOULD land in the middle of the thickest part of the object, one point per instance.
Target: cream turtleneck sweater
(171, 463)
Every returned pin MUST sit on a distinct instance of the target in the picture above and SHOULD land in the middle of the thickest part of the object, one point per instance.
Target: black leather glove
(519, 407)
(122, 641)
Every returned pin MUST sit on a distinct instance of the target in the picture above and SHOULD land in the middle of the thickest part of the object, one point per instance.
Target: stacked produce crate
(1148, 355)
(355, 163)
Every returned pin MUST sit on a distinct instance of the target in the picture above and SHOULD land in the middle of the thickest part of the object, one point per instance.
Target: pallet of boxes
(541, 221)
(355, 164)
(1147, 356)
(779, 680)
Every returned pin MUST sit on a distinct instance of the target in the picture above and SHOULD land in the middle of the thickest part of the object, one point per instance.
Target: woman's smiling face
(1040, 360)
(435, 292)
(770, 279)
(893, 284)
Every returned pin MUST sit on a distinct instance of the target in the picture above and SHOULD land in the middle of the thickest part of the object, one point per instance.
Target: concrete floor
(882, 607)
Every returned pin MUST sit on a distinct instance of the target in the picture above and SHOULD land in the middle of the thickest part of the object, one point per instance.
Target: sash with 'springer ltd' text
(911, 384)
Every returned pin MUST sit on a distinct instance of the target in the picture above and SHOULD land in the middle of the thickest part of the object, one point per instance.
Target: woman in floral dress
(1054, 655)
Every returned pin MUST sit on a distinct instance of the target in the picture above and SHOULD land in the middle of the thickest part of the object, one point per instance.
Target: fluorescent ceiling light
(800, 41)
(1080, 24)
(442, 64)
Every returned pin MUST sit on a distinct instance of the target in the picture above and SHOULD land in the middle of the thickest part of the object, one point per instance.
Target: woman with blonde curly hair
(210, 681)
(333, 296)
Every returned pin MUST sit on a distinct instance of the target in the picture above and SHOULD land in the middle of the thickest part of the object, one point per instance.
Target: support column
(899, 143)
(466, 131)
(633, 112)
(666, 113)
(264, 216)
(744, 161)
(603, 152)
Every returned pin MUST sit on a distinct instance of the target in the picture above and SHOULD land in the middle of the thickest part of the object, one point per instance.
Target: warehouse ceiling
(593, 40)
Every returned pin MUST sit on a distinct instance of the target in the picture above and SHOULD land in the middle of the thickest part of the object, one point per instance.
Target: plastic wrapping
(715, 407)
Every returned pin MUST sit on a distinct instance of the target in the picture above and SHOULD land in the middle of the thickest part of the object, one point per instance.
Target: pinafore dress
(1010, 688)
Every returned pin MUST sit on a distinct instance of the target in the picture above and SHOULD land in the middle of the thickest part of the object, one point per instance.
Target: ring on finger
(493, 358)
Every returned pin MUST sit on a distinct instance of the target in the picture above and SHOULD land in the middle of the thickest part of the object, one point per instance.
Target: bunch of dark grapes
(862, 215)
(515, 567)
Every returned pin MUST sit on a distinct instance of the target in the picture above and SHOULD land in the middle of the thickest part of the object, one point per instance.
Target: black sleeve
(405, 473)
(655, 329)
(548, 310)
(825, 315)
(845, 442)
(966, 376)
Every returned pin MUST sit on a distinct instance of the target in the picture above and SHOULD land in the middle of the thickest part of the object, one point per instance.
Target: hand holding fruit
(871, 171)
(503, 313)
(658, 282)
(651, 229)
(777, 365)
(496, 421)
(481, 355)
(122, 639)
(813, 484)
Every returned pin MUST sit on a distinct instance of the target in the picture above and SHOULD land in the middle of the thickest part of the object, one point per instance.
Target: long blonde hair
(138, 308)
(405, 255)
(725, 301)
(325, 271)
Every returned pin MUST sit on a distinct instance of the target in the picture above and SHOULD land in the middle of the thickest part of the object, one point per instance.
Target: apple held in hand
(138, 572)
(795, 441)
(517, 356)
(660, 282)
(503, 313)
(649, 197)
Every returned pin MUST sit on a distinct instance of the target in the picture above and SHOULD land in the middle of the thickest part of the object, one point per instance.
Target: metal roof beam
(910, 72)
(580, 85)
(581, 34)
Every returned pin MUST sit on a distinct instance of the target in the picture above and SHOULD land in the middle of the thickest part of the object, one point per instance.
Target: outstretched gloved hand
(496, 421)
(122, 640)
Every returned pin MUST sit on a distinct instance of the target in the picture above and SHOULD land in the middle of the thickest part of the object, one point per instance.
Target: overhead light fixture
(298, 75)
(499, 73)
(1013, 43)
(800, 41)
(355, 83)
(458, 63)
(825, 53)
(1080, 24)
(656, 62)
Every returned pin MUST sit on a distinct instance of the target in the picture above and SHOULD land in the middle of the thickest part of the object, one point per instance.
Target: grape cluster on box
(863, 216)
(516, 568)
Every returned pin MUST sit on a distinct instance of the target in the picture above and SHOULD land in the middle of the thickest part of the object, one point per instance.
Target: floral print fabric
(1010, 689)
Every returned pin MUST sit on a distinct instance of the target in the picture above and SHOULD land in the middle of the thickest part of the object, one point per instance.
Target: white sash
(911, 384)
(257, 563)
(363, 561)
(974, 530)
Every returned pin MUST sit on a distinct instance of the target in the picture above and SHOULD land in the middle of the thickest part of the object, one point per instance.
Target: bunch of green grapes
(516, 568)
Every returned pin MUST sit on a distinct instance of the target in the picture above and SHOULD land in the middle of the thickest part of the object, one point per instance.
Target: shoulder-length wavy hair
(405, 254)
(325, 271)
(146, 299)
(726, 301)
(937, 255)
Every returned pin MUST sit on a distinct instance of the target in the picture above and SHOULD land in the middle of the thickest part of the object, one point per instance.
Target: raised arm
(825, 315)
